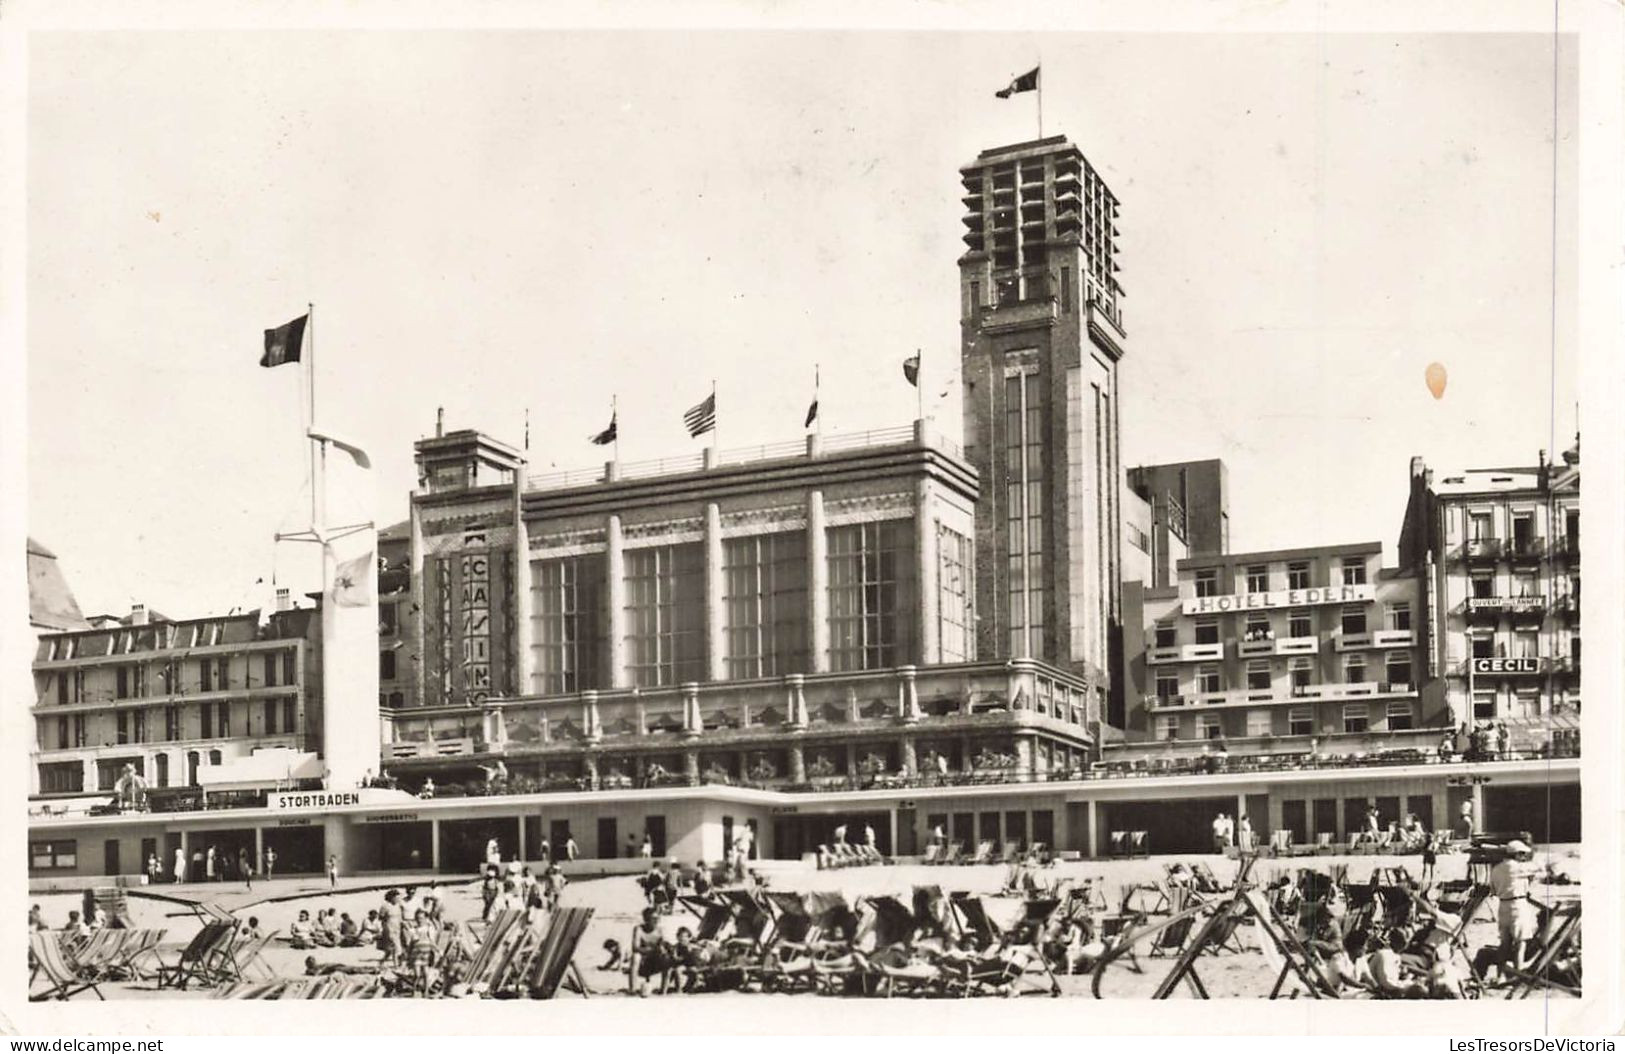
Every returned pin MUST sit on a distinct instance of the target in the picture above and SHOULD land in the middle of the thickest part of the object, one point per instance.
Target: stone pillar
(434, 844)
(589, 717)
(693, 723)
(523, 849)
(1478, 808)
(851, 760)
(796, 700)
(798, 764)
(259, 853)
(910, 762)
(964, 754)
(691, 766)
(590, 764)
(524, 665)
(925, 573)
(908, 695)
(716, 657)
(1091, 837)
(1024, 757)
(615, 600)
(817, 584)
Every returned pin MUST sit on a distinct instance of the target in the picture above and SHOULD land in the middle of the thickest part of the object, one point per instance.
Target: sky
(507, 222)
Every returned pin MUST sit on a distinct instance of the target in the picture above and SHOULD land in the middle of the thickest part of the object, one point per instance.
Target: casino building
(890, 629)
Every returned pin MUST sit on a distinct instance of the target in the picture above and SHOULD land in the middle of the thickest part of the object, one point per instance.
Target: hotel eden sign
(1279, 598)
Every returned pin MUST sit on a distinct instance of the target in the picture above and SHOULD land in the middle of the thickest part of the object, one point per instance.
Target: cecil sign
(1524, 665)
(1280, 598)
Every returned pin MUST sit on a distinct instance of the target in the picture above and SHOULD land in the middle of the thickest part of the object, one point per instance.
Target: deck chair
(1117, 844)
(1039, 853)
(94, 955)
(953, 853)
(496, 947)
(64, 981)
(983, 854)
(199, 955)
(931, 911)
(555, 958)
(137, 949)
(1559, 933)
(791, 921)
(1008, 854)
(973, 918)
(931, 853)
(1171, 939)
(234, 965)
(1139, 844)
(1205, 880)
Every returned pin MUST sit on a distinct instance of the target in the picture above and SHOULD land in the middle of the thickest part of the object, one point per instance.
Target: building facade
(1286, 651)
(1499, 551)
(171, 700)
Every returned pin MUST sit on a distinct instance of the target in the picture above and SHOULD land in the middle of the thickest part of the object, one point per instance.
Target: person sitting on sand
(369, 930)
(252, 932)
(1388, 971)
(612, 948)
(327, 931)
(36, 921)
(302, 934)
(650, 957)
(349, 932)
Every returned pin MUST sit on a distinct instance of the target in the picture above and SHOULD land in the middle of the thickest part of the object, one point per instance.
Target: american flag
(702, 418)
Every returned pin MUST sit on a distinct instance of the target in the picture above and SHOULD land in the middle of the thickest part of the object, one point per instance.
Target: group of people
(662, 886)
(211, 864)
(1483, 742)
(1232, 832)
(515, 887)
(333, 929)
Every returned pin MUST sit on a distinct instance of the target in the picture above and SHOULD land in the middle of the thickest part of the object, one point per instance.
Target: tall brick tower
(1041, 336)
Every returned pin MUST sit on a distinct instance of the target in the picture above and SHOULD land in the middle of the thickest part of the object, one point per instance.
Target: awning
(263, 769)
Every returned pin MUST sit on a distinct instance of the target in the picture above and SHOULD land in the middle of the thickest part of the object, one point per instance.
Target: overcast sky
(492, 222)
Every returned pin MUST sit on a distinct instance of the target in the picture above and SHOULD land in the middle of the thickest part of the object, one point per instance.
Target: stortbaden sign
(310, 801)
(1279, 598)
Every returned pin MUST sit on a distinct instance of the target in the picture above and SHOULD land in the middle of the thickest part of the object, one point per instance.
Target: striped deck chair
(64, 981)
(931, 911)
(199, 956)
(233, 966)
(95, 955)
(953, 853)
(495, 950)
(555, 959)
(892, 923)
(983, 854)
(140, 946)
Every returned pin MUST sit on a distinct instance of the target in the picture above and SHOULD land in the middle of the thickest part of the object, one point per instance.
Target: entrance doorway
(110, 857)
(462, 842)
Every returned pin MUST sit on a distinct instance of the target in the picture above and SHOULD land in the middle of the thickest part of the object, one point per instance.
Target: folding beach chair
(197, 959)
(1011, 853)
(140, 946)
(983, 854)
(1551, 968)
(953, 853)
(64, 981)
(235, 964)
(931, 853)
(1118, 844)
(973, 918)
(555, 958)
(791, 921)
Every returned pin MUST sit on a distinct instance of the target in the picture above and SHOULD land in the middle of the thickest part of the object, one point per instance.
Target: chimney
(284, 601)
(439, 421)
(138, 614)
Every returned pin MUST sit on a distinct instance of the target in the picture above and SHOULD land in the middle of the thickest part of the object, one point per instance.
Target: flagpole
(716, 423)
(310, 392)
(919, 385)
(818, 418)
(615, 419)
(1040, 98)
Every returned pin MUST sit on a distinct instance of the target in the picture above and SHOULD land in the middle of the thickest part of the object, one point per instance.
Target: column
(1478, 808)
(523, 852)
(589, 716)
(427, 696)
(589, 763)
(817, 583)
(524, 661)
(906, 754)
(925, 573)
(796, 700)
(964, 754)
(1091, 837)
(615, 600)
(434, 844)
(691, 766)
(908, 691)
(1024, 757)
(798, 764)
(693, 722)
(715, 642)
(259, 852)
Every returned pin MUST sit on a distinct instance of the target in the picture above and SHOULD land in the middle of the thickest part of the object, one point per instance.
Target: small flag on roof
(1026, 82)
(284, 343)
(702, 417)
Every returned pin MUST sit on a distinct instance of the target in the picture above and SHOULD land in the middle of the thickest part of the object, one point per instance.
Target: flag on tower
(283, 343)
(812, 411)
(1026, 82)
(608, 435)
(911, 369)
(702, 417)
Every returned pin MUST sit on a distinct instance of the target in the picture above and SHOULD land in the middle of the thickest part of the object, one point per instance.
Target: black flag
(1026, 82)
(284, 343)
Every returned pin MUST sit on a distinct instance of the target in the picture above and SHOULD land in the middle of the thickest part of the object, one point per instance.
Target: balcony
(1481, 550)
(1251, 648)
(1245, 697)
(1297, 646)
(969, 697)
(1526, 550)
(1393, 638)
(1353, 641)
(1185, 653)
(1494, 607)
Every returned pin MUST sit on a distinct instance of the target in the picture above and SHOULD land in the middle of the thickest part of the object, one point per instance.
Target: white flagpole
(317, 502)
(1040, 99)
